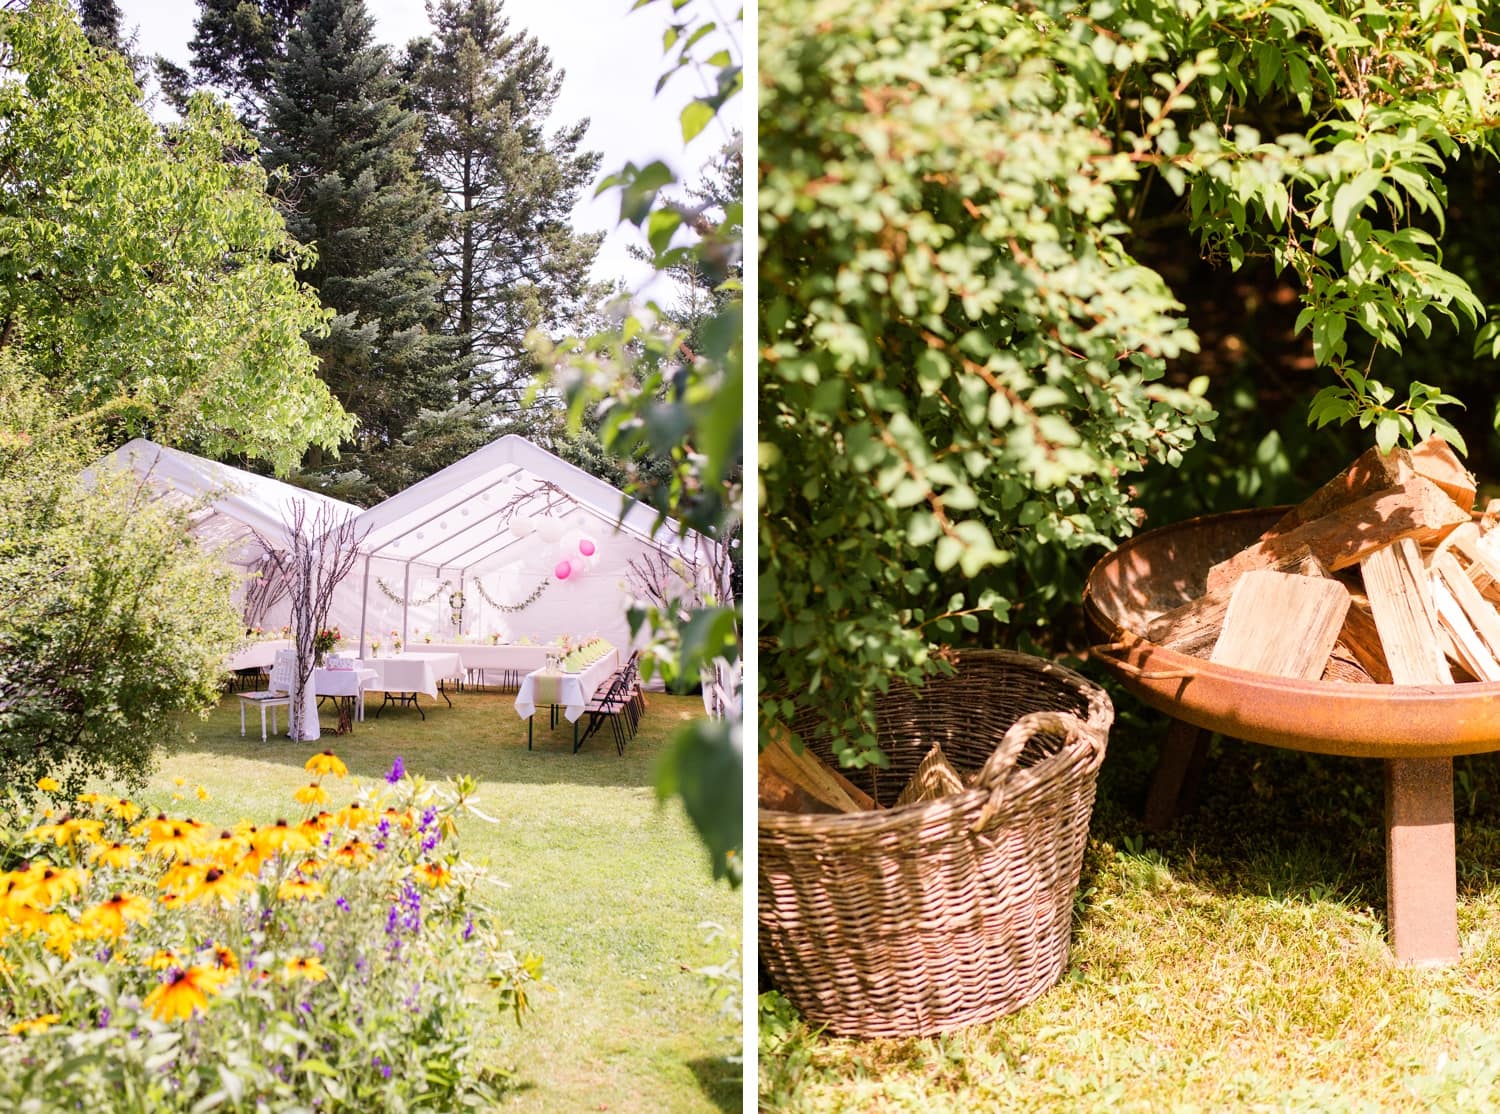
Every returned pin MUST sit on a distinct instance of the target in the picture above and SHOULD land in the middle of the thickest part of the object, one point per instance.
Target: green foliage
(236, 45)
(344, 145)
(145, 272)
(335, 972)
(113, 620)
(655, 398)
(962, 357)
(509, 259)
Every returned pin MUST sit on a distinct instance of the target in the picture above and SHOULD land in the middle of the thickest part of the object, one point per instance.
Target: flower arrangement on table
(395, 641)
(374, 647)
(324, 642)
(171, 959)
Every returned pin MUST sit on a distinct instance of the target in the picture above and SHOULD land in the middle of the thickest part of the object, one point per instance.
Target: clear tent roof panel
(459, 519)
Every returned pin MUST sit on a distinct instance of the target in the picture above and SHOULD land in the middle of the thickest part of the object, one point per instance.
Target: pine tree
(510, 261)
(101, 23)
(337, 129)
(237, 45)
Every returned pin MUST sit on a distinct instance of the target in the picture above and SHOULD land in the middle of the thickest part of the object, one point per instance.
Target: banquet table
(408, 674)
(347, 689)
(572, 692)
(508, 657)
(258, 655)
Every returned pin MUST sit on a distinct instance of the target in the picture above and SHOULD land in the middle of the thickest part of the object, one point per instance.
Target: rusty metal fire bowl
(1416, 728)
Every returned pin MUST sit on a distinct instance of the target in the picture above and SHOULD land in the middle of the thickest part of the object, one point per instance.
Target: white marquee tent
(233, 505)
(510, 542)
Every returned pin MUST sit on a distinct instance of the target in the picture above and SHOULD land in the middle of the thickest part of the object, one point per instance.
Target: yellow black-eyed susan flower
(34, 1024)
(326, 763)
(308, 967)
(117, 854)
(311, 794)
(111, 918)
(215, 884)
(184, 990)
(300, 889)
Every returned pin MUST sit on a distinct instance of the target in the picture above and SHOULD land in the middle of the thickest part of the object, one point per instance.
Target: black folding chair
(613, 706)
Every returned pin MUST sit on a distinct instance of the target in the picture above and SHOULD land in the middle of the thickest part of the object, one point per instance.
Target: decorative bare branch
(321, 553)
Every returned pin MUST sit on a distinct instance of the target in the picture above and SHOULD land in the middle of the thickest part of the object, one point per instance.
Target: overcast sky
(611, 58)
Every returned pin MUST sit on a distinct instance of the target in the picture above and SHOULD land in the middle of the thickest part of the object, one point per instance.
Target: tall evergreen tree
(337, 129)
(510, 260)
(236, 47)
(101, 23)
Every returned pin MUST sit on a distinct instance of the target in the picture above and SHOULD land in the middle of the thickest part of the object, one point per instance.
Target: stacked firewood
(1382, 576)
(794, 780)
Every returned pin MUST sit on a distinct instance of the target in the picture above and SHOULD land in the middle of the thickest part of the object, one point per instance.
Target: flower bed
(157, 963)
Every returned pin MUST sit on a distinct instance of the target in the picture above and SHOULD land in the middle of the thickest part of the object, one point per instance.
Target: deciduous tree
(147, 271)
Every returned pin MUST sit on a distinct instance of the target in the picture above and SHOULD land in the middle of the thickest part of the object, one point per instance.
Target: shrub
(158, 964)
(963, 362)
(113, 619)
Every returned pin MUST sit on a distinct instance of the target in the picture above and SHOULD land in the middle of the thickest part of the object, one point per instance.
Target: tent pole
(406, 604)
(364, 605)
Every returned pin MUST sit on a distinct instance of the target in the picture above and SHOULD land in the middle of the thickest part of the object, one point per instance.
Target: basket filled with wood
(936, 892)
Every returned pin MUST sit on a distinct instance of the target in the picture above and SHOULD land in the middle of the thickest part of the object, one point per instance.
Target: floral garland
(513, 607)
(390, 593)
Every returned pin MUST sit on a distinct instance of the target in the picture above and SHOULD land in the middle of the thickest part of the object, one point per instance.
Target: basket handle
(996, 773)
(1110, 651)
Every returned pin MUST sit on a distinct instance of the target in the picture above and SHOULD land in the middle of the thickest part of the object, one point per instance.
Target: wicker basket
(923, 918)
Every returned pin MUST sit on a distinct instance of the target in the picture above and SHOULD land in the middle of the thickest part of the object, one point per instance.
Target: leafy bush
(113, 620)
(961, 359)
(158, 964)
(964, 360)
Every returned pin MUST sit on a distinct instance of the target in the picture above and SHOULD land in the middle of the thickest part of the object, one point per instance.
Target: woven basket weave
(927, 917)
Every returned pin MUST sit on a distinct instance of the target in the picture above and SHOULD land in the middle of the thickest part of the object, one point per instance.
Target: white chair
(278, 694)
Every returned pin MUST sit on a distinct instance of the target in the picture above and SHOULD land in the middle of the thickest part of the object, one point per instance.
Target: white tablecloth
(343, 682)
(482, 655)
(258, 655)
(575, 690)
(418, 672)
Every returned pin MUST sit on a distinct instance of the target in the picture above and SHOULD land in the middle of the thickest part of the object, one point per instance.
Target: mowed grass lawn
(1238, 962)
(609, 887)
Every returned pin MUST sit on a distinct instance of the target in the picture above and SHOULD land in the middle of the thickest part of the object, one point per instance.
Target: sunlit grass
(1236, 963)
(589, 872)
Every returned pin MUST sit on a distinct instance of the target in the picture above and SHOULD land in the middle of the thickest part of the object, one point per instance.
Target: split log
(811, 776)
(934, 778)
(1435, 460)
(1405, 615)
(1375, 472)
(1360, 640)
(1281, 624)
(1416, 509)
(1194, 627)
(1464, 642)
(1478, 611)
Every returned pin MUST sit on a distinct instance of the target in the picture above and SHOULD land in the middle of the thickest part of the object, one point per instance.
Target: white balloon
(522, 525)
(550, 529)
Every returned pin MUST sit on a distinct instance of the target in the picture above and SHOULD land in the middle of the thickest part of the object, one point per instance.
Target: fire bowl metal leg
(1421, 875)
(1177, 769)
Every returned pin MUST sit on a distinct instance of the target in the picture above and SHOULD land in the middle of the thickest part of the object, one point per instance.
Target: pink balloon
(586, 547)
(564, 570)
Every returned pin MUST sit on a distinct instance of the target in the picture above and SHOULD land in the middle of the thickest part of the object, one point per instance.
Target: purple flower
(343, 903)
(468, 928)
(380, 1065)
(398, 771)
(104, 1016)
